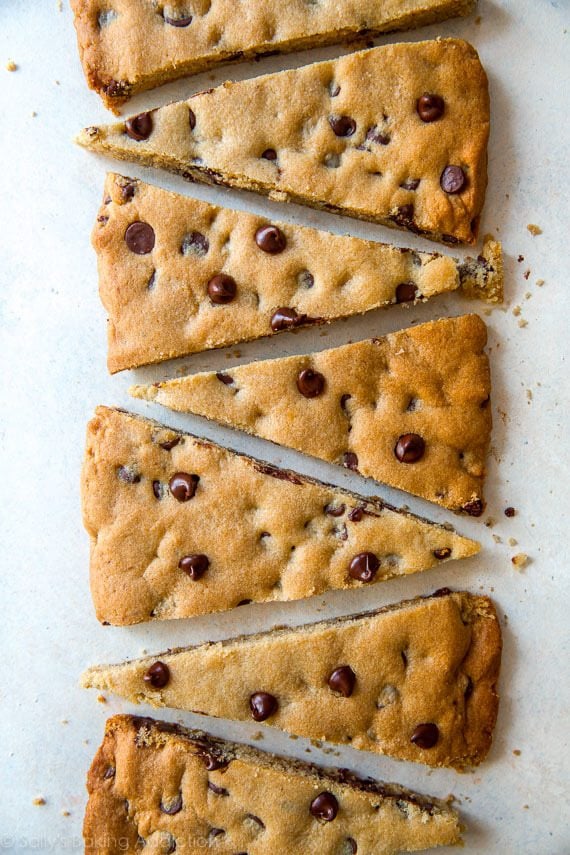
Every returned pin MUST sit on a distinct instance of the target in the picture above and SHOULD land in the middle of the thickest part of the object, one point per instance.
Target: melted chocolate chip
(172, 807)
(270, 239)
(191, 119)
(140, 238)
(342, 126)
(183, 486)
(251, 817)
(157, 675)
(139, 127)
(356, 514)
(410, 448)
(285, 318)
(343, 401)
(310, 383)
(128, 475)
(269, 154)
(262, 705)
(275, 472)
(452, 179)
(410, 184)
(194, 565)
(177, 22)
(324, 807)
(157, 489)
(212, 762)
(222, 289)
(128, 191)
(110, 772)
(474, 508)
(425, 735)
(364, 567)
(442, 553)
(226, 379)
(195, 243)
(335, 510)
(342, 680)
(219, 791)
(305, 279)
(406, 292)
(376, 136)
(170, 443)
(430, 107)
(350, 460)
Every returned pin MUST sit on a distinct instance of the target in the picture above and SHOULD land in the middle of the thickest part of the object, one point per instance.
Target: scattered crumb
(523, 323)
(59, 5)
(516, 311)
(65, 813)
(56, 82)
(487, 312)
(86, 741)
(520, 258)
(510, 511)
(528, 295)
(517, 752)
(237, 353)
(489, 522)
(497, 539)
(102, 699)
(144, 651)
(478, 20)
(534, 229)
(11, 65)
(540, 282)
(65, 721)
(34, 114)
(293, 736)
(257, 735)
(526, 274)
(512, 541)
(519, 560)
(39, 801)
(529, 394)
(525, 807)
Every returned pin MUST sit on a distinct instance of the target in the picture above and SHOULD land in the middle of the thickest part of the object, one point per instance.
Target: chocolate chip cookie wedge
(410, 409)
(162, 258)
(157, 785)
(396, 135)
(181, 527)
(127, 46)
(416, 681)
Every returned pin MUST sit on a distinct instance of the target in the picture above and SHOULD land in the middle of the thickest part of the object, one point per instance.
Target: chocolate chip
(139, 127)
(356, 514)
(442, 553)
(343, 126)
(110, 772)
(172, 807)
(452, 179)
(430, 107)
(350, 460)
(157, 489)
(341, 532)
(251, 817)
(191, 119)
(215, 832)
(285, 318)
(324, 807)
(226, 379)
(334, 89)
(170, 443)
(376, 136)
(310, 383)
(440, 592)
(425, 735)
(157, 675)
(410, 184)
(140, 238)
(262, 705)
(343, 401)
(468, 688)
(195, 244)
(404, 216)
(212, 762)
(152, 281)
(183, 486)
(245, 602)
(342, 680)
(364, 567)
(410, 448)
(270, 239)
(222, 289)
(474, 508)
(305, 279)
(335, 510)
(194, 565)
(349, 847)
(128, 191)
(219, 791)
(128, 475)
(177, 22)
(269, 154)
(406, 292)
(510, 512)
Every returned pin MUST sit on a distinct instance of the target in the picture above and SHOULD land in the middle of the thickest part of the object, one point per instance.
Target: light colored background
(52, 350)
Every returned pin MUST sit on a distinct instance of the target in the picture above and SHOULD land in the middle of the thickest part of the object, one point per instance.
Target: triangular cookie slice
(162, 258)
(157, 785)
(132, 45)
(410, 409)
(416, 680)
(397, 135)
(248, 533)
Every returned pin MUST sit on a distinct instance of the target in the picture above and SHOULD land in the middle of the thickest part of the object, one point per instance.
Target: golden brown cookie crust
(347, 136)
(426, 662)
(269, 534)
(230, 797)
(431, 381)
(127, 46)
(158, 302)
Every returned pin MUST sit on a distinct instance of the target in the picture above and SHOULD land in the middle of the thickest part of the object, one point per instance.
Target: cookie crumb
(528, 295)
(102, 699)
(520, 258)
(519, 560)
(526, 274)
(65, 813)
(11, 65)
(497, 539)
(489, 522)
(540, 282)
(516, 311)
(523, 323)
(534, 229)
(39, 801)
(257, 735)
(478, 19)
(65, 721)
(512, 541)
(517, 752)
(59, 5)
(529, 394)
(510, 511)
(34, 114)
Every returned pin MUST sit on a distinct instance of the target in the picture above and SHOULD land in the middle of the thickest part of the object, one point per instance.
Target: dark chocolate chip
(140, 238)
(172, 807)
(430, 107)
(452, 179)
(474, 508)
(440, 592)
(310, 383)
(350, 847)
(285, 318)
(442, 553)
(270, 239)
(406, 292)
(269, 154)
(157, 489)
(226, 379)
(128, 191)
(177, 22)
(157, 675)
(110, 772)
(170, 443)
(510, 512)
(468, 688)
(212, 762)
(334, 89)
(194, 565)
(364, 567)
(343, 400)
(183, 486)
(195, 243)
(350, 460)
(128, 475)
(376, 136)
(215, 832)
(139, 127)
(219, 791)
(343, 126)
(222, 289)
(410, 448)
(425, 735)
(410, 184)
(356, 514)
(255, 819)
(335, 510)
(152, 281)
(245, 602)
(262, 705)
(191, 119)
(305, 279)
(404, 216)
(324, 807)
(342, 680)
